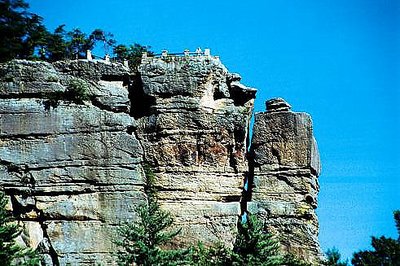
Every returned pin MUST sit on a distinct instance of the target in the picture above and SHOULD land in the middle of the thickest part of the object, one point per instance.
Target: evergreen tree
(386, 251)
(35, 40)
(133, 53)
(10, 252)
(13, 28)
(143, 242)
(106, 38)
(215, 255)
(77, 44)
(255, 246)
(396, 215)
(56, 46)
(333, 258)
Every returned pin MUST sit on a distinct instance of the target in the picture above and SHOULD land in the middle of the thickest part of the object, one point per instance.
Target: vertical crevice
(248, 180)
(51, 251)
(19, 210)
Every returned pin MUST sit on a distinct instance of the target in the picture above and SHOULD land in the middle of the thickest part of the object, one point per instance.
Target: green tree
(133, 53)
(78, 43)
(106, 38)
(255, 246)
(19, 30)
(35, 40)
(144, 241)
(215, 255)
(56, 45)
(386, 251)
(10, 252)
(333, 258)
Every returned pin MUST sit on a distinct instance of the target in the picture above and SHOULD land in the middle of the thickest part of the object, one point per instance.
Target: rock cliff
(75, 135)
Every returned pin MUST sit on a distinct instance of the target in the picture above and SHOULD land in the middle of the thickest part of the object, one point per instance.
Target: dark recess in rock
(141, 103)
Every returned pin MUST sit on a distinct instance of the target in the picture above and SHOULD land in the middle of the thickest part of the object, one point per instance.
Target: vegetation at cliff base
(142, 241)
(255, 246)
(10, 252)
(386, 251)
(333, 258)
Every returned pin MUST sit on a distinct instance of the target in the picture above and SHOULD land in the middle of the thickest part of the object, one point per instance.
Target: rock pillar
(285, 186)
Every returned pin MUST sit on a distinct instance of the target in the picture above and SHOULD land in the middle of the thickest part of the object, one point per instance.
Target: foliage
(396, 215)
(106, 38)
(21, 32)
(255, 246)
(142, 242)
(24, 36)
(333, 258)
(78, 43)
(56, 48)
(132, 53)
(76, 92)
(386, 251)
(216, 255)
(291, 260)
(10, 252)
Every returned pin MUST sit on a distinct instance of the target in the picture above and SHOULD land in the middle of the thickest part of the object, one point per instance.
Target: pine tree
(133, 53)
(333, 258)
(255, 246)
(386, 251)
(10, 252)
(215, 255)
(142, 242)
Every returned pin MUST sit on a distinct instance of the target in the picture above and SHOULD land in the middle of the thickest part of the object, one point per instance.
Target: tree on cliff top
(132, 53)
(10, 252)
(141, 242)
(21, 32)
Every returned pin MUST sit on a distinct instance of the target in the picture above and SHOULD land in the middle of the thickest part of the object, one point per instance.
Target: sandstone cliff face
(285, 166)
(74, 171)
(194, 134)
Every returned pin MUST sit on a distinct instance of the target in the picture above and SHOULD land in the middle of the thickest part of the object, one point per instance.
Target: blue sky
(337, 60)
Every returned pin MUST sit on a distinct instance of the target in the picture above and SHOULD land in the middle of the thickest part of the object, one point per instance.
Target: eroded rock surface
(74, 170)
(285, 170)
(194, 134)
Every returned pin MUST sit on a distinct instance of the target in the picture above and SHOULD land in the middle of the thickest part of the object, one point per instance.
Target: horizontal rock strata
(75, 136)
(73, 172)
(285, 168)
(194, 134)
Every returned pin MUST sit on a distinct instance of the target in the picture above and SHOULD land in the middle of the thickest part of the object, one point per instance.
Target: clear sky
(338, 60)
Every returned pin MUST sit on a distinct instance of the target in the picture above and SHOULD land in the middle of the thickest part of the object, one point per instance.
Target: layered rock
(194, 135)
(73, 172)
(285, 169)
(73, 167)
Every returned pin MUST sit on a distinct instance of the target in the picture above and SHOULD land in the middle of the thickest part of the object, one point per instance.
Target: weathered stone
(277, 105)
(74, 172)
(195, 133)
(93, 70)
(286, 167)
